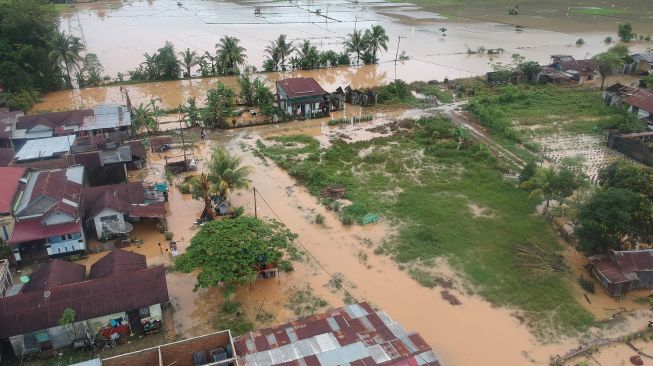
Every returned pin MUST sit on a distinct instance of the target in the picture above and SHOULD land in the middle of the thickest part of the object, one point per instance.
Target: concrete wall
(6, 226)
(58, 218)
(148, 357)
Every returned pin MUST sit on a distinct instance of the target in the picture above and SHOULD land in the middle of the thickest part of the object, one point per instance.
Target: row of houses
(49, 213)
(120, 295)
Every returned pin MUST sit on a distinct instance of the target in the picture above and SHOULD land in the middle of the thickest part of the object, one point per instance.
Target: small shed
(621, 271)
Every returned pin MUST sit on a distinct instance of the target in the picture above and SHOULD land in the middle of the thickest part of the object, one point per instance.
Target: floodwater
(119, 32)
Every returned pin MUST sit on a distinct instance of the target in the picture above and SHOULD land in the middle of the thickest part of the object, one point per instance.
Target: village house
(121, 294)
(615, 94)
(639, 64)
(99, 120)
(355, 335)
(303, 97)
(111, 209)
(9, 182)
(621, 271)
(640, 103)
(47, 210)
(566, 69)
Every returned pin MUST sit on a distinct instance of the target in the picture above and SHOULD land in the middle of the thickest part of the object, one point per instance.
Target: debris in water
(334, 192)
(636, 360)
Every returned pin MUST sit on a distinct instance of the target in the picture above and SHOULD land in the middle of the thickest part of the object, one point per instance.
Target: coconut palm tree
(284, 49)
(356, 42)
(225, 173)
(151, 65)
(211, 59)
(272, 50)
(544, 184)
(67, 52)
(188, 60)
(230, 53)
(377, 39)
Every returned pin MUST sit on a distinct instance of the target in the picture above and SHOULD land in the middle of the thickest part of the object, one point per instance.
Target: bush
(353, 213)
(586, 284)
(580, 42)
(319, 219)
(168, 235)
(397, 92)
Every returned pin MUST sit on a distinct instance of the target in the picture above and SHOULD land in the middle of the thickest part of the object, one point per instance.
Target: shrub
(580, 42)
(319, 219)
(168, 235)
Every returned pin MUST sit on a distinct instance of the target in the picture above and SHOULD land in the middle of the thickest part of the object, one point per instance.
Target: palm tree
(284, 49)
(151, 65)
(230, 53)
(212, 59)
(188, 60)
(272, 50)
(225, 173)
(356, 43)
(377, 39)
(66, 52)
(543, 184)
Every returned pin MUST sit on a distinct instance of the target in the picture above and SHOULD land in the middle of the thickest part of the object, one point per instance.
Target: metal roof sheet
(45, 148)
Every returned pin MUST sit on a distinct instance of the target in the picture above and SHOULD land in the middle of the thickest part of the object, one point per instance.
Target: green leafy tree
(189, 59)
(145, 116)
(329, 58)
(28, 29)
(167, 63)
(377, 40)
(625, 32)
(308, 56)
(530, 69)
(613, 219)
(229, 253)
(356, 43)
(220, 105)
(608, 62)
(67, 52)
(620, 50)
(279, 50)
(230, 54)
(246, 89)
(192, 117)
(628, 175)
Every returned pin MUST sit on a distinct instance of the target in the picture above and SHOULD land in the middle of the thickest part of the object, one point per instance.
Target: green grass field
(429, 190)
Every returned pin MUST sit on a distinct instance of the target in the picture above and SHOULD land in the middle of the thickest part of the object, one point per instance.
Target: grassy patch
(604, 12)
(231, 316)
(443, 95)
(425, 184)
(304, 302)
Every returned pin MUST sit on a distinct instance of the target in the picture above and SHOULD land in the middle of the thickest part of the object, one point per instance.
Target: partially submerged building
(102, 119)
(564, 69)
(112, 209)
(303, 97)
(621, 271)
(639, 63)
(120, 287)
(8, 121)
(47, 210)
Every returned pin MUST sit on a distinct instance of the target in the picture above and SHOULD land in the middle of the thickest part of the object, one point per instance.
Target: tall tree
(356, 43)
(614, 219)
(168, 65)
(628, 175)
(188, 60)
(608, 62)
(220, 104)
(228, 253)
(192, 112)
(246, 89)
(625, 31)
(284, 49)
(377, 39)
(231, 54)
(67, 52)
(308, 56)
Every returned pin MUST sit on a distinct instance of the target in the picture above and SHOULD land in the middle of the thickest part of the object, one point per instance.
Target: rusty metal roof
(355, 334)
(630, 261)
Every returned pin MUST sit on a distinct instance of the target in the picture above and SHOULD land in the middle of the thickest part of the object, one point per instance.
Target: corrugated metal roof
(45, 148)
(355, 335)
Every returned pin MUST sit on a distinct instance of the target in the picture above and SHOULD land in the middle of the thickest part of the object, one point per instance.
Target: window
(144, 312)
(66, 237)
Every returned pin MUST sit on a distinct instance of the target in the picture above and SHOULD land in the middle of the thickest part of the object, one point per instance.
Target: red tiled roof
(29, 230)
(642, 99)
(118, 261)
(54, 120)
(127, 198)
(301, 87)
(37, 310)
(56, 185)
(53, 274)
(9, 180)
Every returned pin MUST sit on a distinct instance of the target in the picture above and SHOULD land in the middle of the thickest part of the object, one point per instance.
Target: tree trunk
(602, 82)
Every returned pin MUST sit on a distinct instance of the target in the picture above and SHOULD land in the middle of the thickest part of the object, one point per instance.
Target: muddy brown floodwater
(119, 32)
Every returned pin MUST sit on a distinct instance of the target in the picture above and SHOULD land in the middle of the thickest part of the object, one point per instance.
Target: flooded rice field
(119, 32)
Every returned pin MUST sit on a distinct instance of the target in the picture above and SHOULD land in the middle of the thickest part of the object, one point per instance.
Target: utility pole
(255, 208)
(397, 53)
(183, 142)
